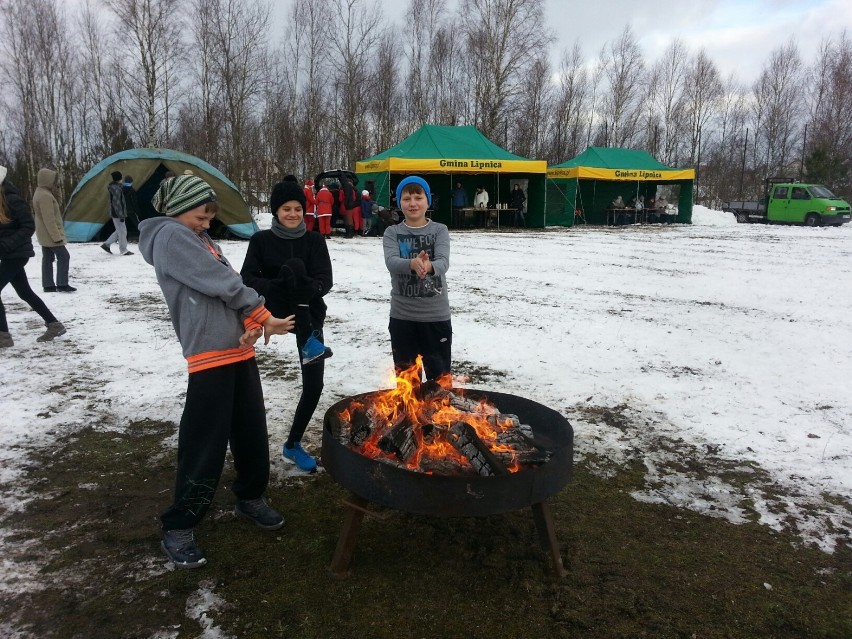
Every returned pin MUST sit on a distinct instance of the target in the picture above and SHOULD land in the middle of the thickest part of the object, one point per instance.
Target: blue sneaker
(298, 456)
(314, 350)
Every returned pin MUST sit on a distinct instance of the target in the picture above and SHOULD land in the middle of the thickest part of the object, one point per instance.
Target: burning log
(399, 440)
(360, 425)
(464, 439)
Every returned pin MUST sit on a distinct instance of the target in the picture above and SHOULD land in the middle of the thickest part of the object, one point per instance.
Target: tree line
(334, 82)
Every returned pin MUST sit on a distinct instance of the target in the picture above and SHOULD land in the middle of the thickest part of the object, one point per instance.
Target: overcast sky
(738, 35)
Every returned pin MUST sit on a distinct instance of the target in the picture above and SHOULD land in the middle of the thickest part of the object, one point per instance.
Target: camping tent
(591, 181)
(446, 154)
(87, 212)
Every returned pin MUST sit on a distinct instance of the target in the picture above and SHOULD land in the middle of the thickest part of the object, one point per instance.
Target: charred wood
(399, 440)
(465, 440)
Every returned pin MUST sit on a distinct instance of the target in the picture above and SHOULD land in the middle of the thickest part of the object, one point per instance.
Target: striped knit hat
(181, 194)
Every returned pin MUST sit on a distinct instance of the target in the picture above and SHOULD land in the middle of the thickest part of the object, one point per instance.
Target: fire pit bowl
(398, 488)
(429, 494)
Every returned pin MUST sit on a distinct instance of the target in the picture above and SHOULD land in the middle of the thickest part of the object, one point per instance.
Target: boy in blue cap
(417, 255)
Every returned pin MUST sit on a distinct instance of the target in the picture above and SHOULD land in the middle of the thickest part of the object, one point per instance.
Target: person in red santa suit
(310, 205)
(324, 205)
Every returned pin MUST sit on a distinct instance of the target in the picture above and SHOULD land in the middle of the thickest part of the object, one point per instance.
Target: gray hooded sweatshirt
(209, 305)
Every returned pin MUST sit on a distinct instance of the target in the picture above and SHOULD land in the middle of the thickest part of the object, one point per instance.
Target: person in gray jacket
(50, 233)
(217, 319)
(118, 213)
(417, 255)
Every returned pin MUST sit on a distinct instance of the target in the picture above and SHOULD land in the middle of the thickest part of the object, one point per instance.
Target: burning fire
(431, 411)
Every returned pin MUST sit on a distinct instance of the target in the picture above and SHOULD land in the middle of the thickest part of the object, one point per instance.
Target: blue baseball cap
(413, 179)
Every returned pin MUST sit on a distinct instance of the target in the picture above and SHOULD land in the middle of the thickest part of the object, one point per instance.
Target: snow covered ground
(708, 353)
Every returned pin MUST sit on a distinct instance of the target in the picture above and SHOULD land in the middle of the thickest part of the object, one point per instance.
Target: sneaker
(262, 514)
(106, 248)
(298, 456)
(49, 289)
(181, 548)
(6, 339)
(54, 329)
(314, 350)
(66, 289)
(128, 253)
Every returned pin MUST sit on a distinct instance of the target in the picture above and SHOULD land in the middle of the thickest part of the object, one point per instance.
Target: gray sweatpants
(60, 254)
(118, 235)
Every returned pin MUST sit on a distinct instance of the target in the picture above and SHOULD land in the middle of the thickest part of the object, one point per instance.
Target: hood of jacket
(46, 178)
(148, 231)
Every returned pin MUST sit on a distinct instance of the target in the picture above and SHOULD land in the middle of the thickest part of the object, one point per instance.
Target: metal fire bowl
(455, 496)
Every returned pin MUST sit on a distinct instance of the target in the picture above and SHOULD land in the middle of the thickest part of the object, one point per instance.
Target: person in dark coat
(16, 249)
(519, 201)
(118, 213)
(291, 268)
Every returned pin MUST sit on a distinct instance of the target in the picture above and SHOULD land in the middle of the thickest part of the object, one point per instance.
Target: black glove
(295, 266)
(306, 290)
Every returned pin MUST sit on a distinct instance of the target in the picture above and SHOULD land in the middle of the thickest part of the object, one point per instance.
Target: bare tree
(20, 64)
(384, 99)
(777, 110)
(571, 105)
(450, 84)
(421, 20)
(829, 150)
(153, 28)
(533, 112)
(669, 79)
(311, 59)
(503, 38)
(356, 30)
(701, 95)
(624, 71)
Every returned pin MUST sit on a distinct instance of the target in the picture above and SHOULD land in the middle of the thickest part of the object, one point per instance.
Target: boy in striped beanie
(217, 320)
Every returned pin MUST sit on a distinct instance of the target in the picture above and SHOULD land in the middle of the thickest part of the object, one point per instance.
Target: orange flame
(390, 406)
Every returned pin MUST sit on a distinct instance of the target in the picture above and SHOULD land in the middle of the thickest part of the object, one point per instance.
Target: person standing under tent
(50, 233)
(518, 200)
(118, 213)
(16, 249)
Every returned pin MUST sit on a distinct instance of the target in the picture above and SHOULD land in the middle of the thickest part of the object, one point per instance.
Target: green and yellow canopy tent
(444, 155)
(591, 181)
(87, 213)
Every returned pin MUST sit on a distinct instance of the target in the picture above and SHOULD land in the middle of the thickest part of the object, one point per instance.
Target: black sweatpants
(432, 340)
(224, 406)
(12, 272)
(312, 377)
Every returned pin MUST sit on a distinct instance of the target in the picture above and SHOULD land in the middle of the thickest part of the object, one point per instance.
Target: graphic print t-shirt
(412, 297)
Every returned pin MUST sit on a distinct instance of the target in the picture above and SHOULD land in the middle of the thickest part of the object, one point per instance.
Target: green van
(794, 203)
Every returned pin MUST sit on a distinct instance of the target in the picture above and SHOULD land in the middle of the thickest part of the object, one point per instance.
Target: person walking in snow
(16, 249)
(291, 268)
(118, 213)
(50, 233)
(217, 319)
(417, 256)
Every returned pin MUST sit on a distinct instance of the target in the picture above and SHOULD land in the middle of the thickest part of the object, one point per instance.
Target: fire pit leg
(547, 537)
(355, 511)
